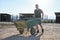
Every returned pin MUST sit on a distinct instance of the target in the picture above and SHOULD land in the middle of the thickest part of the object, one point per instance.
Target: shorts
(38, 19)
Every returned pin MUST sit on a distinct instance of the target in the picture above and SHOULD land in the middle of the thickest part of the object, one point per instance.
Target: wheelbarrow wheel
(21, 30)
(32, 31)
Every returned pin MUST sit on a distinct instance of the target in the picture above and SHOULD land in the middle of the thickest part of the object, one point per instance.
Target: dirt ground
(51, 32)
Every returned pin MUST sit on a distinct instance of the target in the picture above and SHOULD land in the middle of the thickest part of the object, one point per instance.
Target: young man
(38, 13)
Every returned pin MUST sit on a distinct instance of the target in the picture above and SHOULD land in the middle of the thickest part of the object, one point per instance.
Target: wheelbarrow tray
(28, 23)
(33, 22)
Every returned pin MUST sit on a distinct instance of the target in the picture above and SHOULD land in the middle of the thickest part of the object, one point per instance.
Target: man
(38, 13)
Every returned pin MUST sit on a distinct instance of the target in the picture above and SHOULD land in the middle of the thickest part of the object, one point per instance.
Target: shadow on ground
(17, 37)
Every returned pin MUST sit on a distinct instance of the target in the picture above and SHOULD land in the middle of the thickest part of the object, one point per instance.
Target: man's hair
(36, 5)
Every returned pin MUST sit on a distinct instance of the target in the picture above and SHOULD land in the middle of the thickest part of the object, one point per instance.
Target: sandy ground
(51, 32)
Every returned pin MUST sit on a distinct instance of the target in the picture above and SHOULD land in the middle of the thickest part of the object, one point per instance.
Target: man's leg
(37, 29)
(42, 28)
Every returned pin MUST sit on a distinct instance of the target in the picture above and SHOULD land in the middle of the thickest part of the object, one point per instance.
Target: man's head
(36, 6)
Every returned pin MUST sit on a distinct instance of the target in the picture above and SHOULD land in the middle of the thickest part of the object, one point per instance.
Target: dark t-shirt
(38, 13)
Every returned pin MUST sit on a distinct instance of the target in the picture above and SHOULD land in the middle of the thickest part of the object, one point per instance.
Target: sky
(14, 7)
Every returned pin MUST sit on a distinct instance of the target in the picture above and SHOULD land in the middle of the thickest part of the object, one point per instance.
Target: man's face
(36, 6)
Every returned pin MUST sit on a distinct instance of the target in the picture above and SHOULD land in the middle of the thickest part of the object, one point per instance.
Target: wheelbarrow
(27, 23)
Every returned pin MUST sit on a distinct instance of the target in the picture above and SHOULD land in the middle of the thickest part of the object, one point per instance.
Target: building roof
(4, 14)
(26, 13)
(57, 13)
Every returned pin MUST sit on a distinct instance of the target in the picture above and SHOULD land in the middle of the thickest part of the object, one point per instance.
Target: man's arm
(42, 14)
